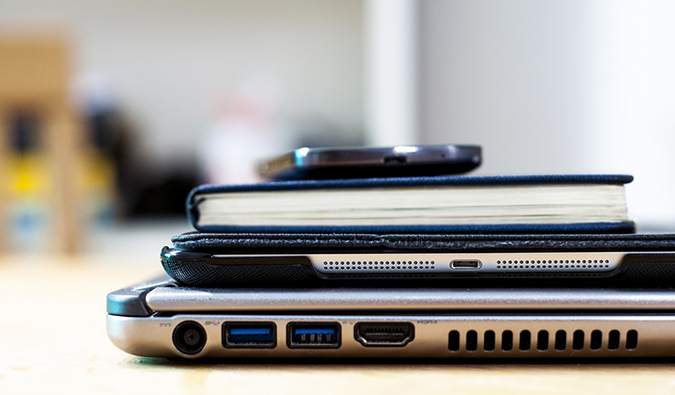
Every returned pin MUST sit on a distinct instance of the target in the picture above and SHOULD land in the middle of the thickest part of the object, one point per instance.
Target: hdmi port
(384, 334)
(466, 264)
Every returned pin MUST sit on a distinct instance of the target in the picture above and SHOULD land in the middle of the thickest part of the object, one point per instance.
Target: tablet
(221, 259)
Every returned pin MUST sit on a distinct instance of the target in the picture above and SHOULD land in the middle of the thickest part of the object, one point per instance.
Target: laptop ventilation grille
(543, 340)
(553, 264)
(351, 266)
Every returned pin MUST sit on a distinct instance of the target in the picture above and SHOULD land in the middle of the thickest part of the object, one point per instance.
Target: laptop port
(384, 334)
(249, 335)
(189, 337)
(313, 335)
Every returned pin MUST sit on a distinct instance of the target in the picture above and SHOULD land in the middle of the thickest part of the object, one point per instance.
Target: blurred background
(110, 112)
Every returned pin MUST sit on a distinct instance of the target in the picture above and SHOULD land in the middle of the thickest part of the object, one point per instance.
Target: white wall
(170, 62)
(558, 86)
(391, 89)
(570, 86)
(510, 75)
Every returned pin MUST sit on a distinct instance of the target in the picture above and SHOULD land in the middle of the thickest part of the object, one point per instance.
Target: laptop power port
(384, 334)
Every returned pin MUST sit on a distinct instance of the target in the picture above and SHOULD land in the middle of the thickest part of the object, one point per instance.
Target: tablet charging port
(466, 264)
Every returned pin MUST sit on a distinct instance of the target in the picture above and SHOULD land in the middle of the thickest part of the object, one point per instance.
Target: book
(455, 204)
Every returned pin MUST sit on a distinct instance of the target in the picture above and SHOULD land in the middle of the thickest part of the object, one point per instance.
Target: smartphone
(399, 161)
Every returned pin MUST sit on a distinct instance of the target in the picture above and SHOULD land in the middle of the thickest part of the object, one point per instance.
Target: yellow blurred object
(96, 184)
(34, 79)
(27, 175)
(97, 175)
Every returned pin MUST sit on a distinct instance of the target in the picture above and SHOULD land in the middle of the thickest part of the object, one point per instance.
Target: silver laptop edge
(391, 323)
(171, 299)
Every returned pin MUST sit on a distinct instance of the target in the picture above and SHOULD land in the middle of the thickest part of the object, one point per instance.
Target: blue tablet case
(289, 243)
(644, 268)
(413, 182)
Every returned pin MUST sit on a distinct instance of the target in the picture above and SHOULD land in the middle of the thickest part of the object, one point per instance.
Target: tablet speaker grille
(378, 266)
(552, 264)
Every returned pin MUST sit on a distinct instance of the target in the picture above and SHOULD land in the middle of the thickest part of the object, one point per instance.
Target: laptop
(161, 319)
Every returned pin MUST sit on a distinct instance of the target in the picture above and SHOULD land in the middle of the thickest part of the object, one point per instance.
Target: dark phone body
(400, 161)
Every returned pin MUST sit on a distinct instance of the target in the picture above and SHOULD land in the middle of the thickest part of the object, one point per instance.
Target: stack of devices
(345, 257)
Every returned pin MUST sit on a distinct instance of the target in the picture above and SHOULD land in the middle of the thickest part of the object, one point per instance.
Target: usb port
(249, 335)
(313, 335)
(466, 264)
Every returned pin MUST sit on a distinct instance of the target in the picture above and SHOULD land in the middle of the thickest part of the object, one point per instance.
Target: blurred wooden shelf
(54, 340)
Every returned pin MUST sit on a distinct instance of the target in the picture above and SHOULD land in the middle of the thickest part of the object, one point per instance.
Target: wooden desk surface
(53, 339)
